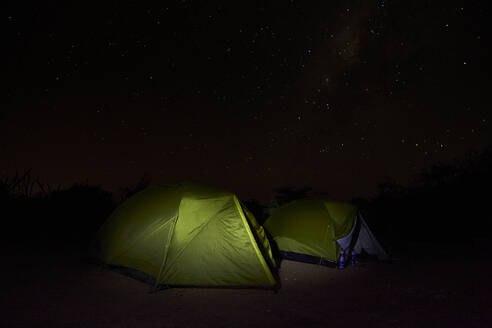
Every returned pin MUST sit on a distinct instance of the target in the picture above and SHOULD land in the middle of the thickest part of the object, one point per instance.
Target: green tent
(188, 234)
(317, 231)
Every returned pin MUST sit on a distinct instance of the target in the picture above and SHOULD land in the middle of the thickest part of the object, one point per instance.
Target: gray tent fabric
(346, 241)
(361, 238)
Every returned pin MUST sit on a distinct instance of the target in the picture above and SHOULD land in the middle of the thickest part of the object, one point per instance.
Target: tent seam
(166, 249)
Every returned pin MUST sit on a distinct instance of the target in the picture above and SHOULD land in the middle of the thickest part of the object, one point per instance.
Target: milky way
(334, 95)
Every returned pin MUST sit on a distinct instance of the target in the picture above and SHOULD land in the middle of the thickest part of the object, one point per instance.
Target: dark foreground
(62, 288)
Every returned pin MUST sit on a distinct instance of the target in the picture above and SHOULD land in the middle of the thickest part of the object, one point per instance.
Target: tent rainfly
(187, 234)
(317, 231)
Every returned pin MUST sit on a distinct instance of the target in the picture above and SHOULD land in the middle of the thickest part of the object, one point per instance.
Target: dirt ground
(61, 288)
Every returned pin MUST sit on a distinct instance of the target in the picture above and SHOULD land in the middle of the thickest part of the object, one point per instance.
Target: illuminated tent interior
(317, 231)
(187, 234)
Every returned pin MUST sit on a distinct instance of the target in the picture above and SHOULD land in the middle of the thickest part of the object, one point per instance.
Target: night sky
(248, 95)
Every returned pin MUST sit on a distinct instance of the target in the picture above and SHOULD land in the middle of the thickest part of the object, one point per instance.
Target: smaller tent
(187, 234)
(317, 231)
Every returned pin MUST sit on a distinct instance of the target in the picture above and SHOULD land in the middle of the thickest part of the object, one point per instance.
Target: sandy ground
(62, 289)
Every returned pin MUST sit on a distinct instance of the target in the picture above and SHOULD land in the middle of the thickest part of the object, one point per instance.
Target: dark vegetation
(446, 203)
(38, 213)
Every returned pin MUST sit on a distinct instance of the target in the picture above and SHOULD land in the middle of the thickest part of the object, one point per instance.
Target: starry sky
(248, 95)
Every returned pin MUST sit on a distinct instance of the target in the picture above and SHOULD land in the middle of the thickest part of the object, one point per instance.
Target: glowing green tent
(188, 234)
(317, 231)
